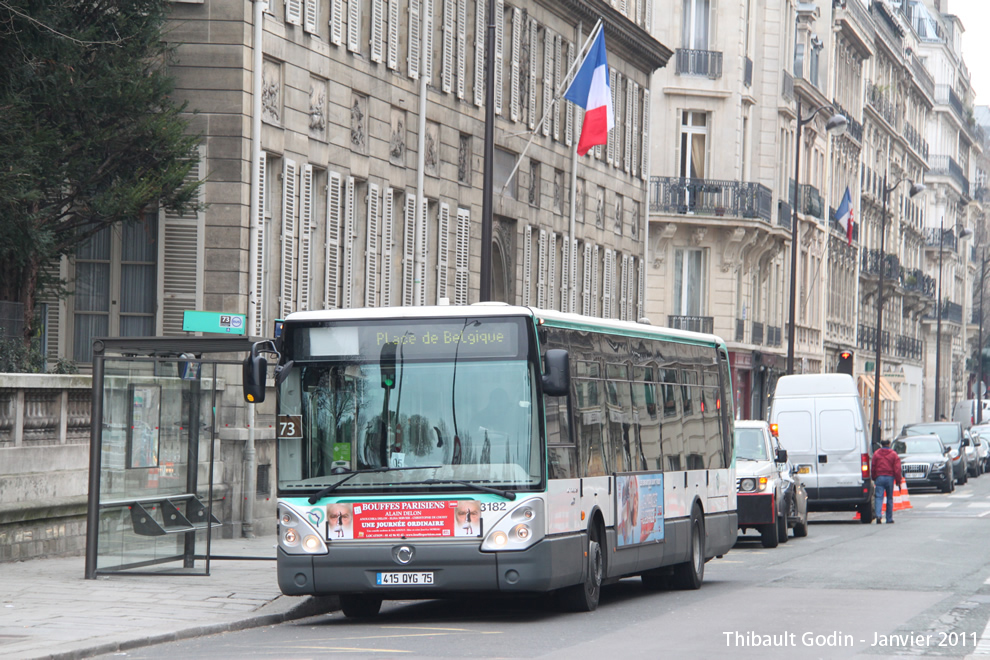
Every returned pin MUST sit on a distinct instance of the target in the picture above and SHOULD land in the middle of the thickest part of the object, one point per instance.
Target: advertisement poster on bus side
(639, 508)
(388, 520)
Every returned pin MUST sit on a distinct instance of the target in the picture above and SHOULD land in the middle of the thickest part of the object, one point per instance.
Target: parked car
(964, 412)
(982, 431)
(770, 499)
(822, 427)
(925, 462)
(982, 449)
(952, 436)
(974, 464)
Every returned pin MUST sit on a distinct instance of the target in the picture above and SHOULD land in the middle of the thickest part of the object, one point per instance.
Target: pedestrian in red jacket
(885, 472)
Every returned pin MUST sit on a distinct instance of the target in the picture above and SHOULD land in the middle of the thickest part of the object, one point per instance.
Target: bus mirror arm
(556, 372)
(282, 372)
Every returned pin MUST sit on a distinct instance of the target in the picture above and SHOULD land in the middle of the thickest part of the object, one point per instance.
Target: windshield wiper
(353, 473)
(507, 494)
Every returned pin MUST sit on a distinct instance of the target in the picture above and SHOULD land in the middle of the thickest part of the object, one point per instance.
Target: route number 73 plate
(405, 579)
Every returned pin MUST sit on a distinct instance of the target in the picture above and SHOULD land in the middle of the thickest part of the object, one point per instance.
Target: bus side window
(588, 421)
(561, 451)
(714, 447)
(673, 427)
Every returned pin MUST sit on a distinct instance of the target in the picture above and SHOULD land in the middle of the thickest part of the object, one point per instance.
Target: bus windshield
(461, 410)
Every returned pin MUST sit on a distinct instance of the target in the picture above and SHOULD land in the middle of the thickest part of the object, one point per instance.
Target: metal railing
(876, 96)
(811, 201)
(909, 347)
(925, 80)
(887, 27)
(948, 238)
(785, 214)
(945, 95)
(757, 333)
(773, 335)
(736, 199)
(918, 280)
(871, 264)
(866, 337)
(740, 329)
(693, 323)
(914, 138)
(854, 129)
(947, 166)
(694, 62)
(787, 86)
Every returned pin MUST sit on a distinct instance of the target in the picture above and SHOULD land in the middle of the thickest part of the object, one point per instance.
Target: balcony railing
(740, 329)
(787, 86)
(945, 95)
(854, 129)
(811, 201)
(951, 312)
(871, 264)
(735, 199)
(914, 138)
(747, 72)
(699, 63)
(866, 338)
(785, 214)
(757, 333)
(917, 280)
(925, 80)
(834, 224)
(887, 26)
(908, 347)
(877, 97)
(947, 166)
(773, 335)
(948, 238)
(692, 323)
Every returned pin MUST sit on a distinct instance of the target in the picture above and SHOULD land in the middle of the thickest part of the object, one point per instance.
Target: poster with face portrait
(638, 509)
(388, 520)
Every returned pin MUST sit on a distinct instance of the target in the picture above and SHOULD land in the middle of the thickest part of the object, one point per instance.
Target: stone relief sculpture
(397, 138)
(359, 124)
(271, 92)
(432, 149)
(464, 159)
(317, 109)
(600, 208)
(618, 215)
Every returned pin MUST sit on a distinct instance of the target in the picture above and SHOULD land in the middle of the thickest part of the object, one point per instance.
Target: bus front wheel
(359, 606)
(584, 597)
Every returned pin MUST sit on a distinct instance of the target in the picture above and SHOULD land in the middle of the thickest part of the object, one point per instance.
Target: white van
(820, 423)
(964, 412)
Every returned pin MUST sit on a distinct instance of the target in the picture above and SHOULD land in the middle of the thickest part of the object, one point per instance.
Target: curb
(310, 606)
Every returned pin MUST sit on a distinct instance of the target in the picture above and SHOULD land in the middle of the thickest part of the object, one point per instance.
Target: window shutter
(541, 278)
(393, 35)
(623, 287)
(649, 19)
(348, 292)
(547, 79)
(527, 267)
(552, 271)
(499, 59)
(409, 251)
(514, 64)
(607, 284)
(293, 12)
(312, 16)
(641, 293)
(586, 300)
(388, 239)
(533, 44)
(447, 75)
(594, 280)
(569, 119)
(423, 250)
(289, 183)
(479, 52)
(635, 130)
(181, 245)
(443, 248)
(427, 65)
(461, 55)
(630, 101)
(337, 22)
(462, 258)
(332, 282)
(414, 32)
(305, 237)
(644, 169)
(565, 272)
(354, 26)
(557, 76)
(572, 306)
(258, 295)
(623, 8)
(610, 155)
(377, 45)
(371, 249)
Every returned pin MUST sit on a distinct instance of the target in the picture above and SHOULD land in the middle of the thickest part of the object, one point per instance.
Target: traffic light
(845, 363)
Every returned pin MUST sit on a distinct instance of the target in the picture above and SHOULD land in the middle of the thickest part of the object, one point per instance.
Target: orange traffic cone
(901, 499)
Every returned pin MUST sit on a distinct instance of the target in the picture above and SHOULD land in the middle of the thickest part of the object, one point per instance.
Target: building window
(696, 23)
(694, 144)
(689, 282)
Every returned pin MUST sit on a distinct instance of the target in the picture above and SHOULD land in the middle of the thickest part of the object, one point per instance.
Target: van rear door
(840, 454)
(796, 434)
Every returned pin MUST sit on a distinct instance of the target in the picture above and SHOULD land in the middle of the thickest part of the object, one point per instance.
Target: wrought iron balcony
(945, 95)
(811, 201)
(948, 238)
(692, 323)
(854, 129)
(877, 97)
(947, 166)
(757, 333)
(773, 335)
(737, 199)
(914, 138)
(917, 280)
(693, 62)
(871, 264)
(909, 347)
(866, 338)
(785, 214)
(925, 80)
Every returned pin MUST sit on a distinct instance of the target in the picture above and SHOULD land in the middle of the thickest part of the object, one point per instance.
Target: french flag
(590, 90)
(844, 215)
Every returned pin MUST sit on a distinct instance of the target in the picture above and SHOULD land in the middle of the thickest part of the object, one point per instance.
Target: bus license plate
(404, 579)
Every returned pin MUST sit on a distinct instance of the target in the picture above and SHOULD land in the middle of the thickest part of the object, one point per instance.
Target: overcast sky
(975, 17)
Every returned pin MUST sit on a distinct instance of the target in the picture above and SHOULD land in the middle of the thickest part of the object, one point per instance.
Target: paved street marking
(938, 505)
(978, 505)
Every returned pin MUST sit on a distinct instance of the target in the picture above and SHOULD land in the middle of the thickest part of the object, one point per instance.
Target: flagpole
(577, 61)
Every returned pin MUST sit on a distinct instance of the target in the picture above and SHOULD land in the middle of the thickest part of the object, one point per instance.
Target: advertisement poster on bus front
(639, 508)
(387, 520)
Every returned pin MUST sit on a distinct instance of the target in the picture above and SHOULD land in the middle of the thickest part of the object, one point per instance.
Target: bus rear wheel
(360, 606)
(584, 597)
(691, 573)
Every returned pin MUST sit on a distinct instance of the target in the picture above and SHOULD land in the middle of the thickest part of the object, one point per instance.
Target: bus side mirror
(556, 372)
(255, 374)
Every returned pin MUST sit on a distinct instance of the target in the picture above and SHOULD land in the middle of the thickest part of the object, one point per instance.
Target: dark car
(925, 462)
(951, 434)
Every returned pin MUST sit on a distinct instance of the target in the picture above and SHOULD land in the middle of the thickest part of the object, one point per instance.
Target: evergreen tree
(89, 136)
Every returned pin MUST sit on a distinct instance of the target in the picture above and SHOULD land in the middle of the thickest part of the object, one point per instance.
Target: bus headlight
(297, 535)
(519, 529)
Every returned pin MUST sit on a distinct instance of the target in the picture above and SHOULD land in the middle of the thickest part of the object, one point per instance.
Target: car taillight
(865, 461)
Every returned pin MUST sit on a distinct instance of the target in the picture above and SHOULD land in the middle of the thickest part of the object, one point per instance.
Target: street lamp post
(915, 189)
(963, 233)
(979, 344)
(836, 125)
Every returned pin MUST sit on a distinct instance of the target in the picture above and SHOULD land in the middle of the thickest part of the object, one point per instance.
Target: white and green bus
(431, 451)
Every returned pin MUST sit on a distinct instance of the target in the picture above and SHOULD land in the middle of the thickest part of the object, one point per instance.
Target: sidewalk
(48, 610)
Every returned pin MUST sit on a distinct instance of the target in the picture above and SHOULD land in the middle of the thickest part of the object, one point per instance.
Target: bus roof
(497, 309)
